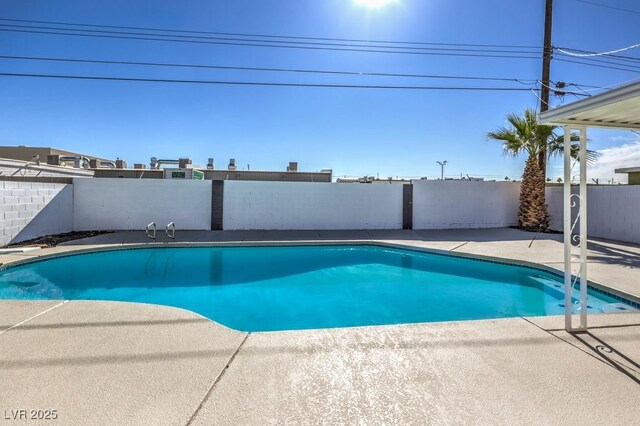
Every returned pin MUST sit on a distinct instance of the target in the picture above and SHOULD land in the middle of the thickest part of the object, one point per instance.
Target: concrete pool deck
(125, 363)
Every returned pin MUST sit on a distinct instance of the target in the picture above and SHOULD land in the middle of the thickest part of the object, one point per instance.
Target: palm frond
(525, 134)
(556, 149)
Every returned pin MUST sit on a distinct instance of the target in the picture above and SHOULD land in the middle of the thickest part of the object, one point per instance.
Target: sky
(353, 131)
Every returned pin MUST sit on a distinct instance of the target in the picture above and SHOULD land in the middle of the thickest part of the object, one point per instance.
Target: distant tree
(525, 135)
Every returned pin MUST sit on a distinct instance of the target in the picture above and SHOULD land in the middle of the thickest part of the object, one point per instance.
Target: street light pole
(442, 164)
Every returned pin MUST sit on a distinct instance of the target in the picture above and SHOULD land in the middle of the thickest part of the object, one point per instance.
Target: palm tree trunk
(542, 162)
(533, 215)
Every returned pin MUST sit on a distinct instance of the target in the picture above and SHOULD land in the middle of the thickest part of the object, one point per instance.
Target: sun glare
(374, 3)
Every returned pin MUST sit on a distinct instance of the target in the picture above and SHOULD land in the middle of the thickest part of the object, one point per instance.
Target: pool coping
(622, 296)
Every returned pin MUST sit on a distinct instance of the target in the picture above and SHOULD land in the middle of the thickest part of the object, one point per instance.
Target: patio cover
(616, 109)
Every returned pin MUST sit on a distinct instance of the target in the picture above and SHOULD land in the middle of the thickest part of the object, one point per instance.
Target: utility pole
(547, 51)
(442, 164)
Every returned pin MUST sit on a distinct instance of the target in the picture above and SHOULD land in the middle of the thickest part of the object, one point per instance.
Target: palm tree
(525, 135)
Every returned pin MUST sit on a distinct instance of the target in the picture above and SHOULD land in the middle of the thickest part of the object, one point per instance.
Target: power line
(269, 41)
(542, 102)
(267, 35)
(595, 88)
(603, 61)
(596, 65)
(487, 54)
(584, 85)
(255, 83)
(289, 70)
(608, 6)
(620, 58)
(611, 52)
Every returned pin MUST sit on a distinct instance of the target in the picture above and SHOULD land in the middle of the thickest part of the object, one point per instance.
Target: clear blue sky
(352, 131)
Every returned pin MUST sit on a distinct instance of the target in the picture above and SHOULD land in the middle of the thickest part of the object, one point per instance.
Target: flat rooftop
(628, 170)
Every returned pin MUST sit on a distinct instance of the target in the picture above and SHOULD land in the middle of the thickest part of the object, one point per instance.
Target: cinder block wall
(303, 205)
(612, 211)
(130, 204)
(459, 204)
(32, 209)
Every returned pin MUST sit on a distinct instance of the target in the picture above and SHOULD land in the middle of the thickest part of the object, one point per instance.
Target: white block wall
(464, 204)
(613, 212)
(555, 207)
(302, 205)
(130, 204)
(33, 209)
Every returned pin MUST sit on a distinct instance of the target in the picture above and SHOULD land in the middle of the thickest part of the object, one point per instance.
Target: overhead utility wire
(540, 99)
(556, 89)
(276, 46)
(303, 43)
(290, 70)
(621, 58)
(584, 85)
(601, 61)
(608, 6)
(609, 87)
(526, 82)
(269, 36)
(275, 84)
(610, 52)
(597, 65)
(364, 49)
(256, 83)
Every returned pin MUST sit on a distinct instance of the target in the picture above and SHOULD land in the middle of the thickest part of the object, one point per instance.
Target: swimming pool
(299, 287)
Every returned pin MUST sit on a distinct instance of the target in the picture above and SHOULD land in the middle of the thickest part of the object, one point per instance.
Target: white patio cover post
(583, 228)
(569, 226)
(616, 109)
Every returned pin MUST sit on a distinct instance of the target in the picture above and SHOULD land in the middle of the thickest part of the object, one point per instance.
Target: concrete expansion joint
(34, 316)
(458, 246)
(218, 378)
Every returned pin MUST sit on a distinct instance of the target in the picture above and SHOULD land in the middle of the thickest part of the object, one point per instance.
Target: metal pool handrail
(150, 230)
(171, 226)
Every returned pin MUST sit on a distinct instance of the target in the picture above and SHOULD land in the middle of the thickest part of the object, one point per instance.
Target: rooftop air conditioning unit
(232, 164)
(184, 163)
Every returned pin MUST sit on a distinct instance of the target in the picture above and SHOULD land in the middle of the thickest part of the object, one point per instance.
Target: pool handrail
(171, 226)
(151, 227)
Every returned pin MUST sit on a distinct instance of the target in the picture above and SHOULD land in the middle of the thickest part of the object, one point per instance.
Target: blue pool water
(284, 288)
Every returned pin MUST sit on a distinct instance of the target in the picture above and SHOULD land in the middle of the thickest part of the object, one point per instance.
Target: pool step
(616, 308)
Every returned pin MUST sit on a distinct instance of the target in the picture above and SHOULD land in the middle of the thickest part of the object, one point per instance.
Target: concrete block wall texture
(612, 211)
(554, 196)
(130, 204)
(302, 205)
(32, 209)
(464, 204)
